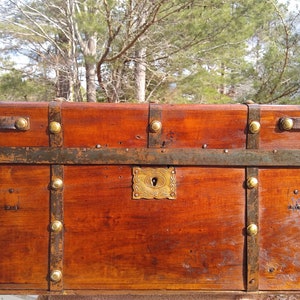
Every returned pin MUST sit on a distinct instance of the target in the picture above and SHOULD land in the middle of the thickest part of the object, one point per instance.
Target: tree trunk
(140, 74)
(90, 70)
(62, 85)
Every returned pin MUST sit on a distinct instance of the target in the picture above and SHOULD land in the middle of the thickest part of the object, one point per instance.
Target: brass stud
(155, 126)
(286, 124)
(252, 182)
(56, 226)
(56, 275)
(252, 230)
(54, 127)
(254, 127)
(57, 183)
(21, 124)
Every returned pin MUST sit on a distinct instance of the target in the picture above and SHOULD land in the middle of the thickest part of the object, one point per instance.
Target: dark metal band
(253, 116)
(56, 139)
(56, 205)
(252, 206)
(252, 240)
(154, 138)
(142, 156)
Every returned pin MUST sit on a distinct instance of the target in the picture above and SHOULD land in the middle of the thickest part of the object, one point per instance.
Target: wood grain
(24, 218)
(106, 125)
(36, 135)
(193, 242)
(279, 229)
(271, 137)
(207, 126)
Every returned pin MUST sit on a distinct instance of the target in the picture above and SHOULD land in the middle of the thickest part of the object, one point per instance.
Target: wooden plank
(24, 215)
(105, 125)
(271, 137)
(279, 194)
(204, 126)
(115, 242)
(36, 135)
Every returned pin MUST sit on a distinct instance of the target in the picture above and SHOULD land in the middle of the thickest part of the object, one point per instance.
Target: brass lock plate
(154, 183)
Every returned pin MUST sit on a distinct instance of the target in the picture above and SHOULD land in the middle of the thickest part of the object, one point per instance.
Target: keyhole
(154, 181)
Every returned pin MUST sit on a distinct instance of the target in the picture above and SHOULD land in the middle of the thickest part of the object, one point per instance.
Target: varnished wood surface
(183, 126)
(105, 125)
(193, 242)
(24, 219)
(279, 230)
(112, 242)
(204, 126)
(270, 136)
(37, 134)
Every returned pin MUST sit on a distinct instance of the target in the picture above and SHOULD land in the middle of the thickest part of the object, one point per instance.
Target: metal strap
(155, 114)
(56, 139)
(56, 205)
(151, 156)
(252, 205)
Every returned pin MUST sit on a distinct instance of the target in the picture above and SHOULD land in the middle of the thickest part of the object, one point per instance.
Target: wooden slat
(115, 242)
(24, 213)
(279, 195)
(38, 116)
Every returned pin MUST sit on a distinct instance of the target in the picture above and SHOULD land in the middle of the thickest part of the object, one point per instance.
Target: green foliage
(197, 51)
(15, 87)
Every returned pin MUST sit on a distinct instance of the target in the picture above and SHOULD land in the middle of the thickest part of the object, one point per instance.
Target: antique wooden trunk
(158, 198)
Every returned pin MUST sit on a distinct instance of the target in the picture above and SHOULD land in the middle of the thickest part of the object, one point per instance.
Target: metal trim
(142, 156)
(54, 115)
(253, 116)
(155, 114)
(15, 123)
(56, 203)
(252, 207)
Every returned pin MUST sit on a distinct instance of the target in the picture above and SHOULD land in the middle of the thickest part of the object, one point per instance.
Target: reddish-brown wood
(24, 219)
(112, 242)
(105, 125)
(279, 229)
(193, 242)
(204, 126)
(271, 137)
(37, 135)
(183, 126)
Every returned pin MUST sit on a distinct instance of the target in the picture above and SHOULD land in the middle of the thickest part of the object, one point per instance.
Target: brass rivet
(254, 127)
(252, 230)
(155, 126)
(252, 182)
(286, 123)
(57, 183)
(56, 275)
(21, 124)
(56, 226)
(54, 127)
